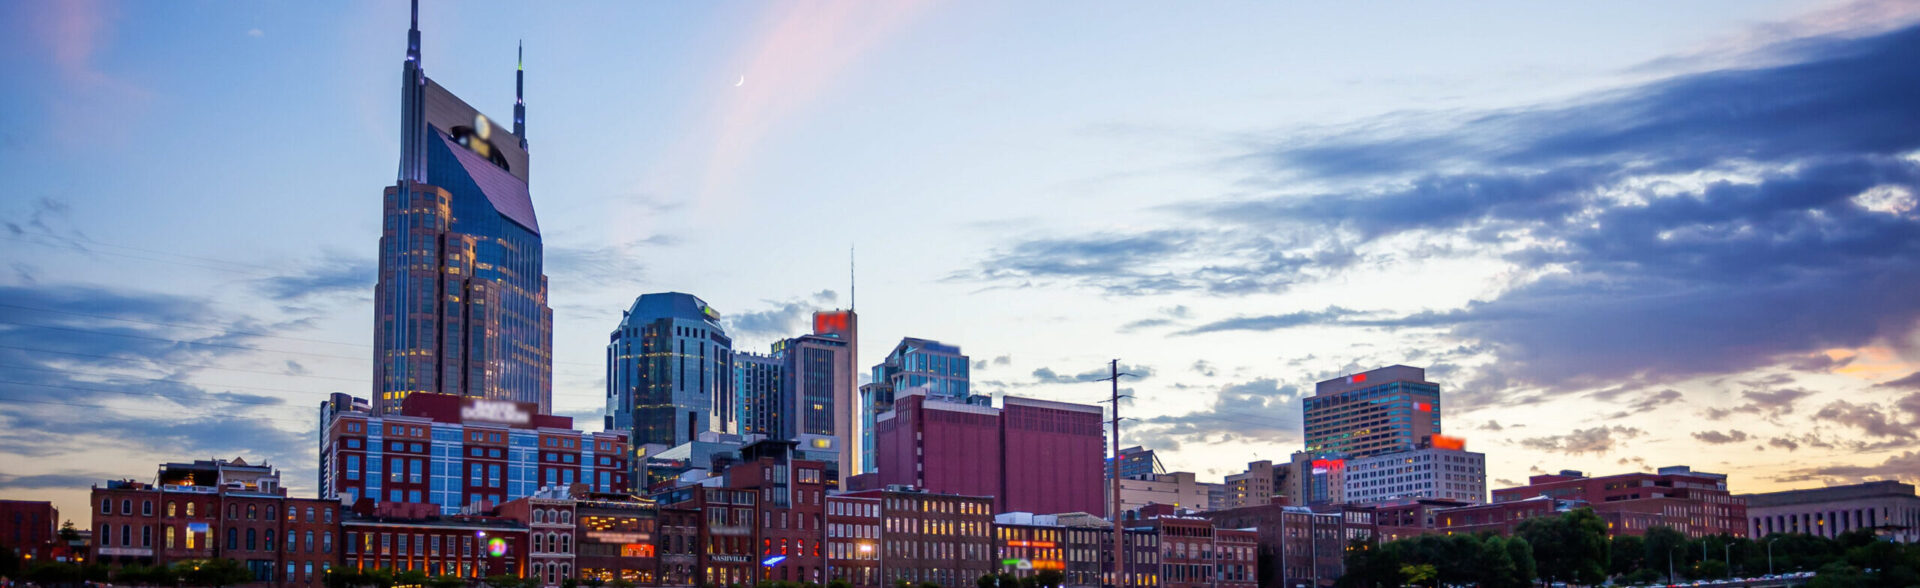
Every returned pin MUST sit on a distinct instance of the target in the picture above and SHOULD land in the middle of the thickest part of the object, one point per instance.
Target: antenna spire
(852, 294)
(520, 97)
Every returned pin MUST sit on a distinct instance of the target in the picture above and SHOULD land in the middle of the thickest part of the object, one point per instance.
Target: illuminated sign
(615, 537)
(837, 323)
(1423, 407)
(728, 558)
(1322, 466)
(494, 411)
(133, 551)
(197, 527)
(773, 561)
(496, 547)
(1357, 379)
(709, 311)
(1445, 442)
(636, 550)
(1039, 544)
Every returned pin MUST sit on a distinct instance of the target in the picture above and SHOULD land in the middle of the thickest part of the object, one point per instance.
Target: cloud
(1719, 438)
(337, 274)
(1904, 467)
(1261, 410)
(256, 33)
(789, 318)
(1868, 418)
(1049, 376)
(1909, 381)
(1272, 322)
(1649, 402)
(1784, 443)
(59, 481)
(1595, 441)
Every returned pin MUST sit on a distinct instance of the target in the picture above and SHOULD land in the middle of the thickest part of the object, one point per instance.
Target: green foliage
(446, 581)
(1525, 567)
(503, 581)
(1628, 553)
(929, 585)
(1418, 574)
(620, 583)
(212, 572)
(68, 533)
(1838, 575)
(1050, 578)
(839, 584)
(1571, 547)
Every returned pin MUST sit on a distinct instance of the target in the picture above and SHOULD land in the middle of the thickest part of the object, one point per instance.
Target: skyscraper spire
(519, 97)
(413, 108)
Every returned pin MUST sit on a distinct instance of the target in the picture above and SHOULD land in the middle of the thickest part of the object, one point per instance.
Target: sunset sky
(1618, 235)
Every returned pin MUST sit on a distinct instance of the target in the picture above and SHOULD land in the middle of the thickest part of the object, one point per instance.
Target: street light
(1770, 555)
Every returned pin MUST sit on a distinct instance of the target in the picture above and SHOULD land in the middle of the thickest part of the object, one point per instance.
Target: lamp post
(1770, 555)
(1728, 547)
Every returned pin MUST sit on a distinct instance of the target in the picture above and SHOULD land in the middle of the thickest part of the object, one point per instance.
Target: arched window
(189, 509)
(252, 511)
(170, 511)
(539, 516)
(169, 535)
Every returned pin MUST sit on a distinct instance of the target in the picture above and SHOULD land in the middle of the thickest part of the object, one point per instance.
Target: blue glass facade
(669, 371)
(915, 364)
(460, 306)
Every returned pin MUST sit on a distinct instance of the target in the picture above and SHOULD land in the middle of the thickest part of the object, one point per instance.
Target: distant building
(945, 447)
(853, 539)
(849, 416)
(937, 370)
(403, 537)
(1136, 463)
(1177, 489)
(1260, 484)
(1067, 543)
(1193, 554)
(1888, 508)
(457, 452)
(1451, 474)
(758, 384)
(1694, 503)
(30, 527)
(460, 301)
(669, 371)
(1379, 411)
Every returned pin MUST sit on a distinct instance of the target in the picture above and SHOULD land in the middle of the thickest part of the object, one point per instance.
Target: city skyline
(1511, 214)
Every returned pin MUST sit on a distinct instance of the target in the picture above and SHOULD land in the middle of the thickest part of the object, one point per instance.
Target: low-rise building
(401, 537)
(216, 509)
(946, 539)
(1428, 472)
(1694, 503)
(1177, 489)
(853, 540)
(1888, 508)
(1297, 545)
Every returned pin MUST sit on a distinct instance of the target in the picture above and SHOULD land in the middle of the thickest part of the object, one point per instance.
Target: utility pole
(1119, 530)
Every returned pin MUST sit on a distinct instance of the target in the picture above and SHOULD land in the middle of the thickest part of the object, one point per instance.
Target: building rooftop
(1880, 489)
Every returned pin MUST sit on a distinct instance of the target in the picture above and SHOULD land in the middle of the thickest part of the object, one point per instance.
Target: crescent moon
(742, 82)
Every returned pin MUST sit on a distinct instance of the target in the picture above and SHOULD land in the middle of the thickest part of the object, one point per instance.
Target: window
(170, 511)
(353, 467)
(126, 506)
(326, 542)
(252, 511)
(146, 508)
(169, 537)
(146, 536)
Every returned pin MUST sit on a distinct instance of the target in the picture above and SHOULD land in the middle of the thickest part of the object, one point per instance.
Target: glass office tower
(937, 369)
(460, 306)
(670, 371)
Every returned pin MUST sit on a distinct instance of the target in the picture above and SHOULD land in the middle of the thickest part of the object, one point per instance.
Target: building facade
(925, 536)
(1694, 503)
(551, 537)
(853, 539)
(403, 537)
(1136, 463)
(1297, 545)
(1050, 457)
(936, 370)
(1258, 485)
(1177, 489)
(460, 302)
(1386, 410)
(844, 325)
(1432, 472)
(216, 509)
(457, 452)
(1888, 508)
(30, 527)
(669, 371)
(758, 384)
(946, 447)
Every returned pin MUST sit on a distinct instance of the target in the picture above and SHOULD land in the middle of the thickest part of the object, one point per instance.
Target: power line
(174, 413)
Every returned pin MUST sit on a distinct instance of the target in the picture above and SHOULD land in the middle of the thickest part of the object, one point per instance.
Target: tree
(1571, 547)
(1838, 575)
(1049, 578)
(503, 581)
(1525, 567)
(212, 573)
(1369, 565)
(1662, 545)
(1496, 567)
(1629, 554)
(839, 583)
(1418, 574)
(68, 534)
(987, 581)
(446, 581)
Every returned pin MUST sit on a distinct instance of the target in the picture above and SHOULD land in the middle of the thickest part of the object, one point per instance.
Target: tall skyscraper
(460, 306)
(1386, 410)
(847, 420)
(937, 370)
(669, 371)
(815, 380)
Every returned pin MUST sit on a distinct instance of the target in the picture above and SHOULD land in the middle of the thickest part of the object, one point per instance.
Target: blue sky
(1615, 232)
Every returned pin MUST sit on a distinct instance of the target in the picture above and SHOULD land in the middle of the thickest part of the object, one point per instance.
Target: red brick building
(725, 551)
(1031, 455)
(216, 509)
(677, 550)
(792, 510)
(412, 537)
(946, 539)
(551, 537)
(853, 540)
(1694, 503)
(32, 527)
(1052, 454)
(1296, 545)
(617, 538)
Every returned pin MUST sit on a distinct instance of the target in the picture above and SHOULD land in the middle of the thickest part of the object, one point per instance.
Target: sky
(1619, 235)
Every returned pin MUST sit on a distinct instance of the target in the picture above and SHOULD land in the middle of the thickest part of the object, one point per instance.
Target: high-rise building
(669, 371)
(934, 369)
(460, 305)
(1385, 410)
(758, 384)
(815, 379)
(845, 326)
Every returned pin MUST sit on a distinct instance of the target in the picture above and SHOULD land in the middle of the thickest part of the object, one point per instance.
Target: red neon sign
(837, 322)
(1445, 442)
(1357, 379)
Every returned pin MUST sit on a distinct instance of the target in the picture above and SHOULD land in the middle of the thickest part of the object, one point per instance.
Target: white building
(1421, 473)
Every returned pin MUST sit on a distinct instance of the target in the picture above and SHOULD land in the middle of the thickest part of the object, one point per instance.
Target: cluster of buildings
(717, 465)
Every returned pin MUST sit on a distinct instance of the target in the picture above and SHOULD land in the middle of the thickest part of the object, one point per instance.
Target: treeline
(1574, 548)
